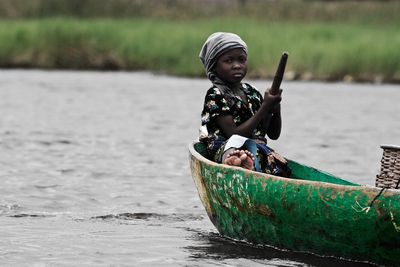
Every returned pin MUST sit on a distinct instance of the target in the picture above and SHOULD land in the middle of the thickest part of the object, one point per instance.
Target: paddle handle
(276, 83)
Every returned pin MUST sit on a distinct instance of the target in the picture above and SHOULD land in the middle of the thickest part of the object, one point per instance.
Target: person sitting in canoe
(236, 117)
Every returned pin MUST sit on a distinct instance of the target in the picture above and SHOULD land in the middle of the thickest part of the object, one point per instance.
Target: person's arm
(246, 129)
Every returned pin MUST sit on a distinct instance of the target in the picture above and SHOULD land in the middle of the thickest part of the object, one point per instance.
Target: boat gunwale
(201, 158)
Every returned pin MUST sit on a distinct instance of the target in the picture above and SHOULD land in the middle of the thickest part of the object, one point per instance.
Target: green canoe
(313, 212)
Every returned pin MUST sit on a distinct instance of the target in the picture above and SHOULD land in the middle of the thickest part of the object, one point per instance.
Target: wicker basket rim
(390, 146)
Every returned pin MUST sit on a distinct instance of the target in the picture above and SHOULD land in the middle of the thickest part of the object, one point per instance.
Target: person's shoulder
(252, 92)
(249, 86)
(214, 91)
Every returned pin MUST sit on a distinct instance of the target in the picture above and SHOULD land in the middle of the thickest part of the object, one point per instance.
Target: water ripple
(150, 216)
(24, 215)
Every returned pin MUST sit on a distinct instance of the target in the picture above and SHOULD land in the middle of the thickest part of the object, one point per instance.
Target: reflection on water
(95, 171)
(215, 247)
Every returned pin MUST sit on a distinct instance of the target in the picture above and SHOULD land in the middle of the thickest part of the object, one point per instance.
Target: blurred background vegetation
(326, 40)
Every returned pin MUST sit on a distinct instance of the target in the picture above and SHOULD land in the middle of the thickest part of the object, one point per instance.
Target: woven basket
(389, 176)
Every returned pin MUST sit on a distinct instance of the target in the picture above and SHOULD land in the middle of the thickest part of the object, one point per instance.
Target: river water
(94, 166)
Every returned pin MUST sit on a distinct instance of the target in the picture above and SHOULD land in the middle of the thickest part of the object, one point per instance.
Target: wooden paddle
(276, 83)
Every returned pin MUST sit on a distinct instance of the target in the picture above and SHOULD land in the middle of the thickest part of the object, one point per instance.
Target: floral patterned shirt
(216, 105)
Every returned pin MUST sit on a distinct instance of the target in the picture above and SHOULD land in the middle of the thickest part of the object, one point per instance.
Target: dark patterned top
(216, 105)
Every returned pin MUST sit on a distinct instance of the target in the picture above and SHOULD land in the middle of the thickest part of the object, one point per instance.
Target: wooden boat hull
(316, 212)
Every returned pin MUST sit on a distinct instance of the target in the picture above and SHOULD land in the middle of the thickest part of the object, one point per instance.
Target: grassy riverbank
(323, 48)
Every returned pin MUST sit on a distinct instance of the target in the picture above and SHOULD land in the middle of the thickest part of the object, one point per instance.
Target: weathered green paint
(302, 214)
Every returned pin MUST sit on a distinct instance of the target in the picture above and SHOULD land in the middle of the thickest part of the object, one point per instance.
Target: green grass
(365, 11)
(318, 50)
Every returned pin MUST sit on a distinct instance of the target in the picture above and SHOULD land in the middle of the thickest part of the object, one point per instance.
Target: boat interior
(299, 171)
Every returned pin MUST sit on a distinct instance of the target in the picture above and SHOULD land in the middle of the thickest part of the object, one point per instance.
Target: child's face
(231, 66)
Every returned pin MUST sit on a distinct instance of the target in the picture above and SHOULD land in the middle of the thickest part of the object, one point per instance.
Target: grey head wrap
(217, 44)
